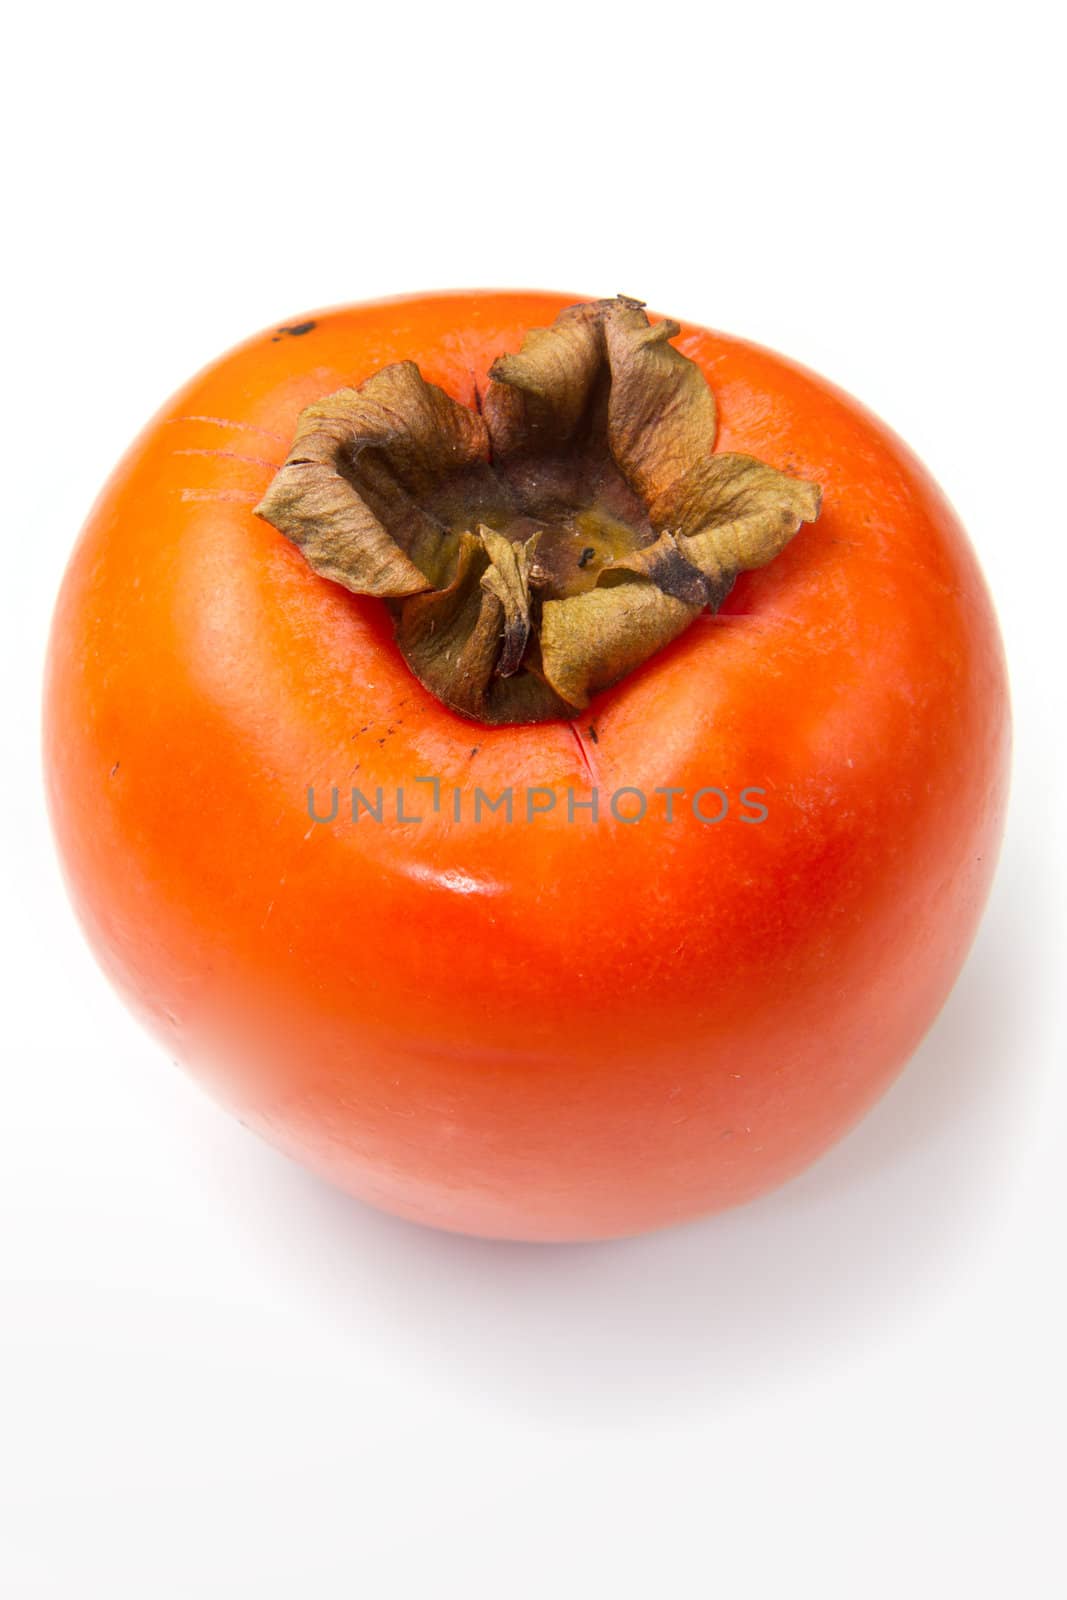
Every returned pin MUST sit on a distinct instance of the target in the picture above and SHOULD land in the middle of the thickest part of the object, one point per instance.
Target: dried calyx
(537, 550)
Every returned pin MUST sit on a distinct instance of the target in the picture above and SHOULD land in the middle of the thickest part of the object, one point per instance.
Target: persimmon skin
(555, 1030)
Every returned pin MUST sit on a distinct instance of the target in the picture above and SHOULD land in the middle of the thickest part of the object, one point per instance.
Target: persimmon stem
(537, 549)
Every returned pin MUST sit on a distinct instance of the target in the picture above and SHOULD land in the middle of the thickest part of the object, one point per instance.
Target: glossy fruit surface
(550, 1028)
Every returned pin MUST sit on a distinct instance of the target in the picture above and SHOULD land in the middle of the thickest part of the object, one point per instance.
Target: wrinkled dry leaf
(536, 553)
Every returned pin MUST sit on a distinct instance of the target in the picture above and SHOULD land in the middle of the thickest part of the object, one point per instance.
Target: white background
(218, 1378)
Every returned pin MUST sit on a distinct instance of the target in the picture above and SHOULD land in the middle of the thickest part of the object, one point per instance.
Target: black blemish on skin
(294, 331)
(593, 734)
(586, 556)
(114, 769)
(474, 752)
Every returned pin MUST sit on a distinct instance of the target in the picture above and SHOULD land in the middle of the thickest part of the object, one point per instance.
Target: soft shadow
(694, 1318)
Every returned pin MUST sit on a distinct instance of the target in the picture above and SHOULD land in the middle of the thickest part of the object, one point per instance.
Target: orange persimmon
(565, 1023)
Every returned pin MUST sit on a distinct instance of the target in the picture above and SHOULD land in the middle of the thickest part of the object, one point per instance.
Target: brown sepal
(536, 553)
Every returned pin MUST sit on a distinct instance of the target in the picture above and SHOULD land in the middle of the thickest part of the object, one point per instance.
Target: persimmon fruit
(379, 568)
